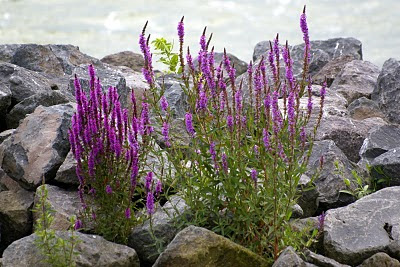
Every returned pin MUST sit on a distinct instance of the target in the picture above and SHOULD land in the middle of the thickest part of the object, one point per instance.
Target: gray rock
(5, 103)
(126, 58)
(21, 82)
(39, 145)
(53, 60)
(348, 134)
(177, 102)
(66, 174)
(6, 183)
(387, 91)
(289, 258)
(329, 183)
(321, 52)
(379, 141)
(331, 70)
(364, 228)
(363, 108)
(308, 199)
(387, 167)
(164, 227)
(357, 79)
(15, 216)
(65, 205)
(93, 250)
(380, 259)
(196, 246)
(5, 134)
(320, 260)
(28, 105)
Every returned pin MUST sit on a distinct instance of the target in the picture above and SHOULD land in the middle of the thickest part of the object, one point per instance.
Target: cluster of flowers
(107, 144)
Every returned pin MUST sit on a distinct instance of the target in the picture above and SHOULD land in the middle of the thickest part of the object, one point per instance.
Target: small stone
(126, 58)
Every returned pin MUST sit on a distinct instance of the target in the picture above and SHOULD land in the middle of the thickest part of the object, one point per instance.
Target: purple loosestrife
(144, 127)
(321, 221)
(189, 124)
(306, 38)
(149, 181)
(256, 150)
(310, 103)
(78, 225)
(224, 163)
(229, 122)
(108, 189)
(158, 188)
(254, 175)
(165, 133)
(189, 60)
(266, 139)
(148, 69)
(213, 153)
(181, 30)
(303, 136)
(272, 63)
(291, 113)
(128, 213)
(150, 203)
(288, 67)
(276, 113)
(163, 104)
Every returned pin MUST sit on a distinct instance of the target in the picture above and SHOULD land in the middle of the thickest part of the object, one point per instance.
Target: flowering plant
(240, 172)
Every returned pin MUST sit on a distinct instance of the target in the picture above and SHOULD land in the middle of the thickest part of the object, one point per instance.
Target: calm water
(101, 27)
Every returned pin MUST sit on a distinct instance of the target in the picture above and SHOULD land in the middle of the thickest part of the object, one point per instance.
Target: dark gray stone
(380, 259)
(357, 79)
(5, 134)
(331, 70)
(15, 216)
(364, 228)
(198, 247)
(329, 183)
(66, 174)
(363, 108)
(39, 145)
(177, 102)
(5, 103)
(289, 258)
(379, 141)
(28, 105)
(322, 261)
(387, 91)
(93, 250)
(21, 82)
(389, 164)
(164, 227)
(125, 58)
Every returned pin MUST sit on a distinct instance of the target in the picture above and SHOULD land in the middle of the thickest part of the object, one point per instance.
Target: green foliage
(57, 251)
(360, 187)
(167, 57)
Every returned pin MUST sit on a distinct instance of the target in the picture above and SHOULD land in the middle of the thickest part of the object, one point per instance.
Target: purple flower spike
(149, 180)
(229, 122)
(150, 203)
(165, 133)
(108, 189)
(163, 103)
(321, 221)
(189, 124)
(158, 188)
(266, 139)
(128, 213)
(303, 136)
(181, 31)
(306, 38)
(212, 152)
(310, 103)
(78, 225)
(224, 162)
(253, 175)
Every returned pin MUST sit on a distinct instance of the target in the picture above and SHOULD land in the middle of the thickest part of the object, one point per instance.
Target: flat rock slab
(92, 251)
(368, 226)
(199, 247)
(38, 147)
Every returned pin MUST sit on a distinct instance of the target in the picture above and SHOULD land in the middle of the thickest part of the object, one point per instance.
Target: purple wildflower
(224, 162)
(256, 150)
(303, 136)
(229, 122)
(189, 124)
(150, 203)
(128, 213)
(266, 139)
(321, 221)
(291, 113)
(108, 189)
(306, 38)
(78, 225)
(203, 41)
(158, 188)
(163, 103)
(310, 103)
(189, 60)
(271, 63)
(213, 153)
(238, 100)
(253, 175)
(165, 133)
(181, 31)
(276, 113)
(149, 180)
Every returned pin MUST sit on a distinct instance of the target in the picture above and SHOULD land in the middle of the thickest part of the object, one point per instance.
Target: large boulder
(21, 82)
(348, 134)
(368, 226)
(5, 103)
(196, 246)
(320, 260)
(15, 216)
(329, 181)
(64, 203)
(331, 70)
(289, 258)
(357, 79)
(125, 58)
(92, 250)
(38, 147)
(28, 105)
(6, 183)
(386, 167)
(380, 259)
(387, 90)
(379, 141)
(163, 227)
(363, 108)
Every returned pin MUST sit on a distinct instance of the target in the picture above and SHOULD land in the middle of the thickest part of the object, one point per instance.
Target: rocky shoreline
(360, 126)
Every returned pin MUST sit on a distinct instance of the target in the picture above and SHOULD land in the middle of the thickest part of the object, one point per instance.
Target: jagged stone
(125, 58)
(363, 108)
